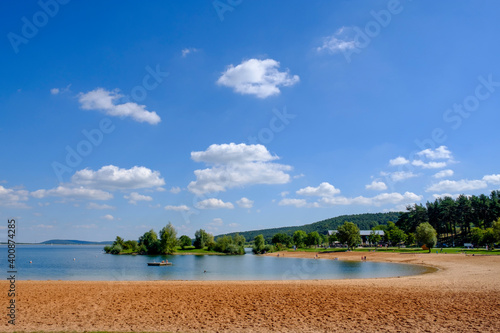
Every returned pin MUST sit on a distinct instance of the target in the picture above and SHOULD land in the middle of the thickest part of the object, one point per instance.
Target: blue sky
(117, 117)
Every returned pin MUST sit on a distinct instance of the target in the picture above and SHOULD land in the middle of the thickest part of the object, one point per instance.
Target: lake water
(91, 263)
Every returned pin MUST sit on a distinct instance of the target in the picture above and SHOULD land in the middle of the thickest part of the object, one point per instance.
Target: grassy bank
(481, 251)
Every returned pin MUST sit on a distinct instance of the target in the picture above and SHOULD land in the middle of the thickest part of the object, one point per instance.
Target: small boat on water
(162, 263)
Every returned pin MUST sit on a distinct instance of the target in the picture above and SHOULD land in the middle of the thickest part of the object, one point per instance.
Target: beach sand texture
(462, 296)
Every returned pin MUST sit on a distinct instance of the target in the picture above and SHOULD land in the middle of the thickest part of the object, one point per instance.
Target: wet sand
(463, 295)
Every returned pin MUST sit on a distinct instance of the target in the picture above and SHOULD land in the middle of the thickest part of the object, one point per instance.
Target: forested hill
(363, 221)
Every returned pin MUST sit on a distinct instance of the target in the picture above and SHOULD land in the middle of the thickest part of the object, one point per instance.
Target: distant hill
(74, 242)
(363, 221)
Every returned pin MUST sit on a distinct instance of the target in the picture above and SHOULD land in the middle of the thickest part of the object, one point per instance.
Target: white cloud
(257, 77)
(13, 198)
(214, 203)
(376, 186)
(216, 222)
(457, 186)
(399, 175)
(284, 193)
(181, 208)
(108, 217)
(233, 153)
(236, 166)
(323, 190)
(443, 174)
(338, 42)
(134, 197)
(400, 160)
(54, 91)
(175, 189)
(293, 202)
(186, 51)
(429, 165)
(93, 205)
(68, 192)
(233, 225)
(378, 200)
(493, 179)
(443, 195)
(106, 101)
(111, 177)
(245, 203)
(441, 152)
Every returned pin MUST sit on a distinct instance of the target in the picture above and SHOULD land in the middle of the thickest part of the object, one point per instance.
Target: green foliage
(150, 242)
(202, 238)
(282, 239)
(332, 238)
(313, 239)
(116, 249)
(108, 248)
(168, 239)
(299, 238)
(476, 236)
(496, 229)
(259, 244)
(427, 235)
(130, 246)
(410, 239)
(454, 218)
(348, 233)
(184, 241)
(363, 221)
(489, 238)
(374, 238)
(396, 236)
(239, 240)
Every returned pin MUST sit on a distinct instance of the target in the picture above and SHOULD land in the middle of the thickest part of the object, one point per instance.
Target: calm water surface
(89, 262)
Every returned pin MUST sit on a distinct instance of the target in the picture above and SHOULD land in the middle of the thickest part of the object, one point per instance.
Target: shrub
(116, 249)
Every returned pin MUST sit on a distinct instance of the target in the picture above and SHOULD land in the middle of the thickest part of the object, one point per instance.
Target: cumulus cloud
(245, 203)
(13, 198)
(457, 186)
(399, 175)
(429, 165)
(400, 160)
(111, 177)
(188, 50)
(376, 186)
(235, 166)
(70, 192)
(340, 41)
(181, 208)
(441, 152)
(443, 174)
(492, 179)
(107, 102)
(134, 197)
(214, 203)
(257, 77)
(108, 217)
(323, 190)
(378, 200)
(175, 189)
(93, 205)
(293, 202)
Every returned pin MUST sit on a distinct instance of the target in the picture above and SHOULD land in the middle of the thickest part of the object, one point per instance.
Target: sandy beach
(463, 295)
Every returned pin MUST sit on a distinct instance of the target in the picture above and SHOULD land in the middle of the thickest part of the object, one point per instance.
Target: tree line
(168, 243)
(461, 220)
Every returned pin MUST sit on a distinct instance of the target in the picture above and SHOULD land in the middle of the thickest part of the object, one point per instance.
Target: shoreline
(463, 295)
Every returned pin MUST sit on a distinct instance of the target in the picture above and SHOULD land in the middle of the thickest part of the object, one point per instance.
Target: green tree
(201, 238)
(410, 239)
(332, 238)
(397, 236)
(299, 238)
(168, 239)
(259, 244)
(184, 241)
(374, 238)
(150, 242)
(476, 236)
(313, 239)
(427, 235)
(489, 238)
(239, 240)
(496, 229)
(282, 238)
(348, 233)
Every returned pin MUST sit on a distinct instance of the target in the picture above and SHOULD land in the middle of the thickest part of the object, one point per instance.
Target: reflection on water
(74, 262)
